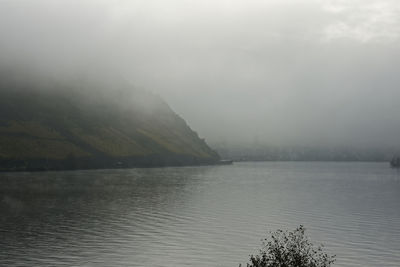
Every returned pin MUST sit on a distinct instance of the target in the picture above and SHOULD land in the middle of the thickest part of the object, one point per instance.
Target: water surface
(198, 216)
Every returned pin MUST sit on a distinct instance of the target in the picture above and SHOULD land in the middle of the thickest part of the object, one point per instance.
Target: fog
(278, 72)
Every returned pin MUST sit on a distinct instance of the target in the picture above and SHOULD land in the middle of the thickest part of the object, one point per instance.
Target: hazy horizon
(292, 73)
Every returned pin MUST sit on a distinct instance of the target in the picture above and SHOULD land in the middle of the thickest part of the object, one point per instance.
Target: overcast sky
(280, 72)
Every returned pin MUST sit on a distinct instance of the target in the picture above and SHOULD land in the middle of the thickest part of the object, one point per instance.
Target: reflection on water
(197, 216)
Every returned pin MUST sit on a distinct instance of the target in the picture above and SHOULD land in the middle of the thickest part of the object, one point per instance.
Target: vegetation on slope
(54, 126)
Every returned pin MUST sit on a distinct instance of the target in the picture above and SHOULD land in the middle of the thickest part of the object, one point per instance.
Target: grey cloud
(282, 72)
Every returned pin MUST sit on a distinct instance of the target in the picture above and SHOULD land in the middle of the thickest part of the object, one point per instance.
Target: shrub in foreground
(290, 249)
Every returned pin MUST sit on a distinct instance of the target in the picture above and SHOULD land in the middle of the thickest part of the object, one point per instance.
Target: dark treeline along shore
(53, 125)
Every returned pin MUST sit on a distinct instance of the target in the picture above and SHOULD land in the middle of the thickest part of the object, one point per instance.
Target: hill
(82, 125)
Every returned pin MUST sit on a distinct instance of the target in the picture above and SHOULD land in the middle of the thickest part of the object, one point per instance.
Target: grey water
(198, 216)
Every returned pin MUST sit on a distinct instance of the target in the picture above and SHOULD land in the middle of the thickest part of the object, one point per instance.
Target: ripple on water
(197, 216)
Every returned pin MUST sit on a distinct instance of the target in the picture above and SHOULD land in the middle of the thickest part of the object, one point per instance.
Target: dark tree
(290, 249)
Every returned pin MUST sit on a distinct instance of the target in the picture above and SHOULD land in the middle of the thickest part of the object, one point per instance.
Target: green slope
(54, 126)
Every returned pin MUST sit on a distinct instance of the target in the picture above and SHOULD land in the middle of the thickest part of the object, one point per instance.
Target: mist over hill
(288, 75)
(48, 124)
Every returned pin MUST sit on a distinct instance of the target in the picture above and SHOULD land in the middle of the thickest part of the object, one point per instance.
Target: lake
(198, 216)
